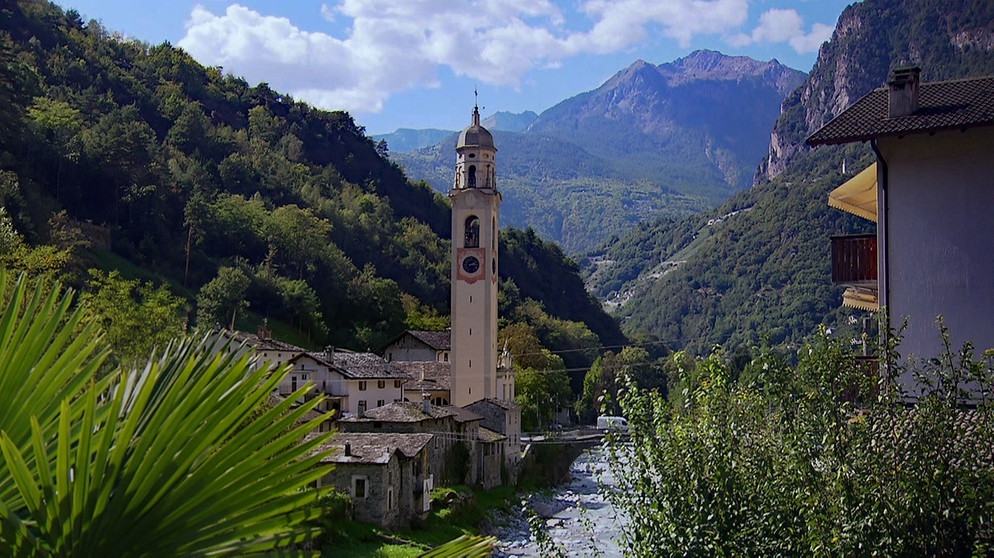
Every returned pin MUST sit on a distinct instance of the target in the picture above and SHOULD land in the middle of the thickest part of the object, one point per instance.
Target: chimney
(426, 403)
(348, 449)
(902, 91)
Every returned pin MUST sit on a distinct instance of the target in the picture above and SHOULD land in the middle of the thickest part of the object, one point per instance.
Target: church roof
(476, 135)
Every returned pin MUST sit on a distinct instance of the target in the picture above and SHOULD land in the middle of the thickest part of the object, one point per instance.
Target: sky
(420, 63)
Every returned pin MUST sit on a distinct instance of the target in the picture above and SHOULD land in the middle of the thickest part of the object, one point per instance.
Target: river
(578, 519)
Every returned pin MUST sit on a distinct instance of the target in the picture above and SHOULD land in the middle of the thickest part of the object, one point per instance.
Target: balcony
(854, 260)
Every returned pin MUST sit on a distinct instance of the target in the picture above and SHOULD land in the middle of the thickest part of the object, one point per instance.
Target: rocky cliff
(948, 40)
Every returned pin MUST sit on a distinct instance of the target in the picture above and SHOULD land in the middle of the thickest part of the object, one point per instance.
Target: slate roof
(943, 105)
(401, 412)
(489, 436)
(437, 375)
(269, 344)
(358, 366)
(506, 405)
(436, 340)
(463, 415)
(374, 449)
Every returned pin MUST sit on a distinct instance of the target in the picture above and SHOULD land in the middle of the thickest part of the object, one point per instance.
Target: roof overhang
(858, 195)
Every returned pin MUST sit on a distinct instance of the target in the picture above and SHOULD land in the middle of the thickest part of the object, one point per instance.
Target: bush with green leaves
(823, 458)
(179, 457)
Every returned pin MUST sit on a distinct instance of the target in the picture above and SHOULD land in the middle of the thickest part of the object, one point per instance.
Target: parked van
(612, 423)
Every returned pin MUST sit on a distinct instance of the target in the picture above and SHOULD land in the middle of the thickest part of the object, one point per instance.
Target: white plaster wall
(940, 238)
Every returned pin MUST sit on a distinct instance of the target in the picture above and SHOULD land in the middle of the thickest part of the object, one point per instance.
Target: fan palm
(180, 458)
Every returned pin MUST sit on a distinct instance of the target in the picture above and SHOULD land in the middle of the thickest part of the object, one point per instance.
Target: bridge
(547, 456)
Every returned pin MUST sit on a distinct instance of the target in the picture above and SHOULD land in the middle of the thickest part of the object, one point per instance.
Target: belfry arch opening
(471, 176)
(472, 235)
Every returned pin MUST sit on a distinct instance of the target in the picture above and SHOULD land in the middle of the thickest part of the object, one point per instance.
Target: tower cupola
(475, 157)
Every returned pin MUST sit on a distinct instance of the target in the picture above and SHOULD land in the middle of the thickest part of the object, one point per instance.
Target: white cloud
(784, 26)
(393, 45)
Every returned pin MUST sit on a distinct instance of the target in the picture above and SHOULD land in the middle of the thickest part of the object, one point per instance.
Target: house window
(390, 498)
(380, 402)
(358, 487)
(362, 407)
(472, 235)
(362, 385)
(445, 357)
(389, 357)
(293, 383)
(397, 383)
(381, 384)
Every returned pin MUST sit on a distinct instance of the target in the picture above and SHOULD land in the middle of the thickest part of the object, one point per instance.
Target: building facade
(931, 254)
(475, 221)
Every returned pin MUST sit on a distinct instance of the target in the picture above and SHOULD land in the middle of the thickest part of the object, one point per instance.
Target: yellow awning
(861, 298)
(859, 195)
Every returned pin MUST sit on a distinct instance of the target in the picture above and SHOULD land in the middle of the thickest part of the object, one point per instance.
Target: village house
(419, 346)
(927, 192)
(504, 418)
(429, 379)
(352, 383)
(385, 475)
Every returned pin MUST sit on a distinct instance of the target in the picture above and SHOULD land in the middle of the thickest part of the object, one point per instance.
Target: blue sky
(415, 63)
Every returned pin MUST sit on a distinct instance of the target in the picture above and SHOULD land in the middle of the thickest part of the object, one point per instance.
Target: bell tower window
(471, 178)
(472, 236)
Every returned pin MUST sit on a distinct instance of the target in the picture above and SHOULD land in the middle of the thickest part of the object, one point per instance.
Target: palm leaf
(466, 546)
(47, 354)
(177, 459)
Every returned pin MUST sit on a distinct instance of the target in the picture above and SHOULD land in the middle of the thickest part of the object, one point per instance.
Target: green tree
(220, 300)
(136, 316)
(181, 457)
(541, 384)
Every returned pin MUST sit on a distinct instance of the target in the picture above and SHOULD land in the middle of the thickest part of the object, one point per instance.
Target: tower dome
(476, 135)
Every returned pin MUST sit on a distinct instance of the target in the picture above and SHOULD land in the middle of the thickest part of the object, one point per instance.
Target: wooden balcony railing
(854, 259)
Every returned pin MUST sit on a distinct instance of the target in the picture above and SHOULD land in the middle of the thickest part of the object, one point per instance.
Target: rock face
(948, 40)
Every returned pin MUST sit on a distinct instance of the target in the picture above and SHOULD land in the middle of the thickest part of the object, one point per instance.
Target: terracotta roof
(401, 412)
(357, 366)
(373, 449)
(489, 436)
(437, 375)
(943, 105)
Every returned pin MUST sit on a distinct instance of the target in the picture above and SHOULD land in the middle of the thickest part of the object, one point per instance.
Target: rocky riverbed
(576, 516)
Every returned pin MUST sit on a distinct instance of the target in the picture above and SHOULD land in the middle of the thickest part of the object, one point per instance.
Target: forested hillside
(665, 140)
(759, 265)
(246, 204)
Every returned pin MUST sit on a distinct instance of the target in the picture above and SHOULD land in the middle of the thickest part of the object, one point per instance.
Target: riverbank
(577, 519)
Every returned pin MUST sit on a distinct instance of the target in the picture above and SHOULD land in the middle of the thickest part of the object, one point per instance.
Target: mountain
(948, 40)
(668, 140)
(509, 121)
(759, 265)
(406, 139)
(705, 116)
(132, 158)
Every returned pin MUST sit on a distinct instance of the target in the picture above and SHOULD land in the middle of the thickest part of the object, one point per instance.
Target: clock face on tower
(471, 264)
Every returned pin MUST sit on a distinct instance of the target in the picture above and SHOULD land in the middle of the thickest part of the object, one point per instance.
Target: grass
(353, 540)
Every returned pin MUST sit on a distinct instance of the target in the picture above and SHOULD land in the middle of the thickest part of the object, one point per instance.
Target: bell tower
(475, 209)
